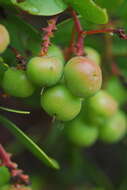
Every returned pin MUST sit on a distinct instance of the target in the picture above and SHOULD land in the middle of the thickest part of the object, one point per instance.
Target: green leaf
(3, 2)
(4, 176)
(28, 143)
(14, 111)
(89, 10)
(42, 7)
(109, 6)
(28, 39)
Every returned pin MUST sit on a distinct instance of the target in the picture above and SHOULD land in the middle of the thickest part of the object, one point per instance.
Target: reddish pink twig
(71, 49)
(80, 42)
(120, 32)
(115, 70)
(16, 174)
(48, 33)
(21, 59)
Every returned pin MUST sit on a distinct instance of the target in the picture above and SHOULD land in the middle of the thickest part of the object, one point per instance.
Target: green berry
(4, 38)
(80, 133)
(83, 76)
(16, 83)
(55, 51)
(117, 90)
(45, 71)
(92, 54)
(102, 104)
(114, 129)
(59, 102)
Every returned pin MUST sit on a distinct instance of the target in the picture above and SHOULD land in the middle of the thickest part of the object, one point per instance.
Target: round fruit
(117, 90)
(55, 51)
(4, 38)
(90, 117)
(15, 83)
(81, 134)
(102, 104)
(83, 76)
(113, 129)
(93, 55)
(58, 101)
(44, 71)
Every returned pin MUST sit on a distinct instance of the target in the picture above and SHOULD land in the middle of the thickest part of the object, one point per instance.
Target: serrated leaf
(89, 10)
(28, 143)
(14, 110)
(42, 7)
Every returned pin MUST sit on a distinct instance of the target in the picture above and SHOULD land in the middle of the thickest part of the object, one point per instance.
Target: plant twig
(71, 49)
(120, 32)
(17, 175)
(21, 59)
(48, 33)
(80, 42)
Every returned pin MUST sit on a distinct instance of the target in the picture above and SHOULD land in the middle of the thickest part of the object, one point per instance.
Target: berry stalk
(21, 59)
(48, 33)
(120, 32)
(17, 175)
(80, 42)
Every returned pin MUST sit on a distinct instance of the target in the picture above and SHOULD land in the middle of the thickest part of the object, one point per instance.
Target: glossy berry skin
(114, 129)
(55, 51)
(82, 76)
(45, 71)
(4, 38)
(16, 83)
(59, 102)
(80, 133)
(102, 104)
(92, 54)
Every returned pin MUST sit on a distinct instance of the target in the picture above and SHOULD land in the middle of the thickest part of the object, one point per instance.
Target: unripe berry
(117, 90)
(4, 38)
(92, 54)
(55, 51)
(82, 76)
(114, 129)
(16, 83)
(80, 133)
(102, 104)
(44, 71)
(59, 102)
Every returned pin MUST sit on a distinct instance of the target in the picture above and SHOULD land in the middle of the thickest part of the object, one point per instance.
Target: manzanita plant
(73, 70)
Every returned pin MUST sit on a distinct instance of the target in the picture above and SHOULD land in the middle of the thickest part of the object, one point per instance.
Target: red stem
(21, 59)
(120, 32)
(48, 33)
(17, 175)
(77, 22)
(80, 42)
(71, 49)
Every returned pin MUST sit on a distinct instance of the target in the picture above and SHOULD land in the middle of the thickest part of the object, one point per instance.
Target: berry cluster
(69, 92)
